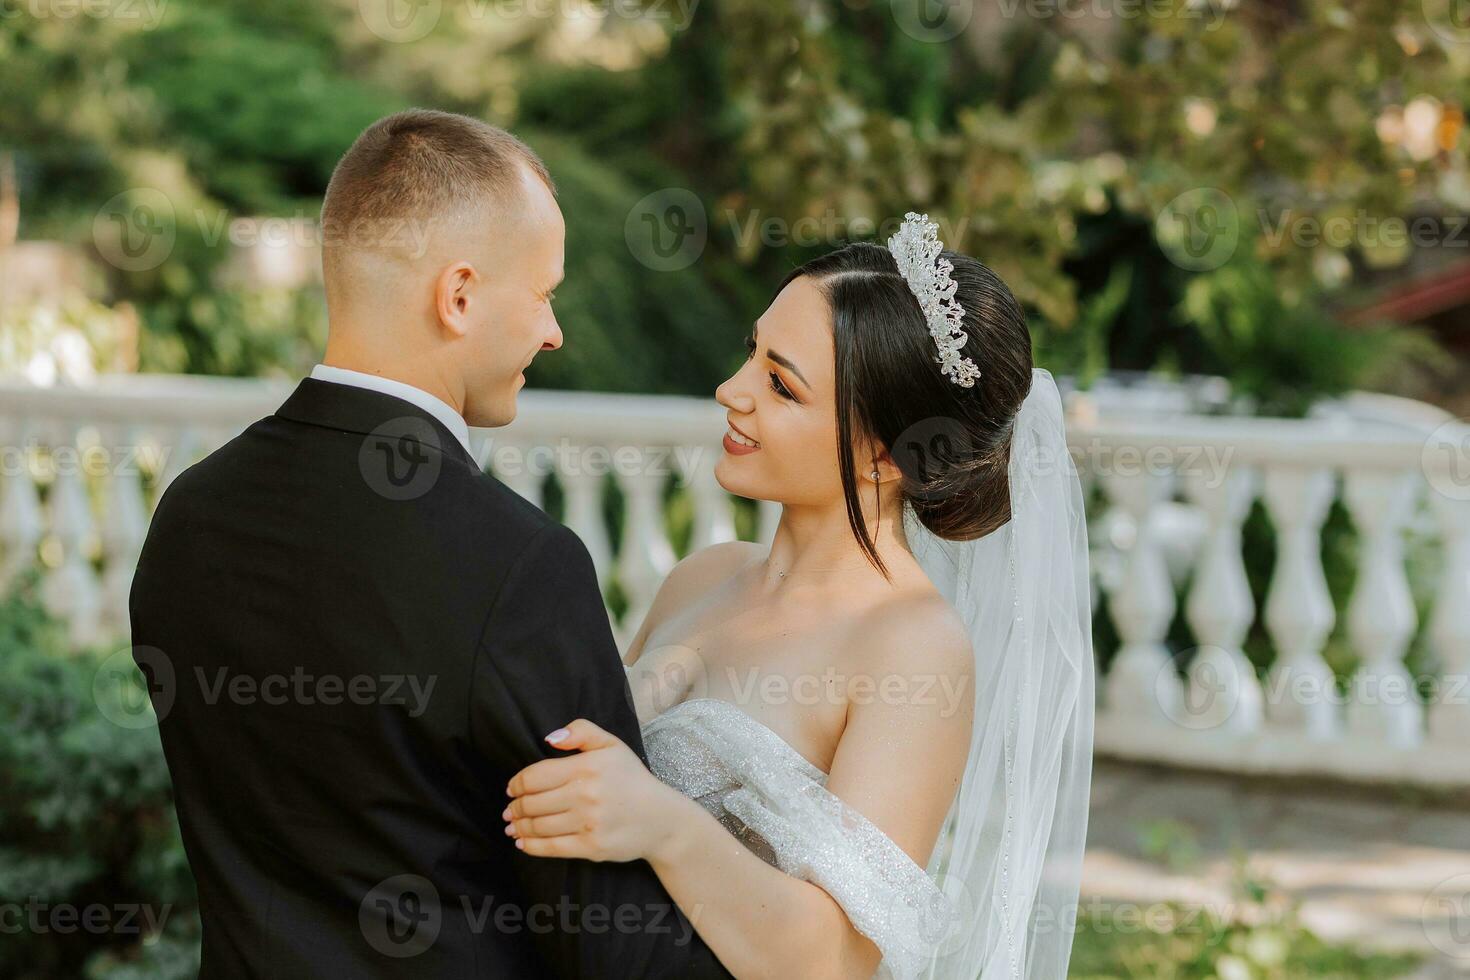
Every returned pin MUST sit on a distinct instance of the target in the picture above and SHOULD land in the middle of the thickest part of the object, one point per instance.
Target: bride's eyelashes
(775, 383)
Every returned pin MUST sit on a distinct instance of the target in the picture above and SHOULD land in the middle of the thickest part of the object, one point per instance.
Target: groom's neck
(421, 371)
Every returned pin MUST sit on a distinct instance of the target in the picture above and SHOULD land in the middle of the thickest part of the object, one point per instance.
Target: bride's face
(783, 400)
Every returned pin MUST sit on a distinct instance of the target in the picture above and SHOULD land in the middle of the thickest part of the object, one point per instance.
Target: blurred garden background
(1272, 193)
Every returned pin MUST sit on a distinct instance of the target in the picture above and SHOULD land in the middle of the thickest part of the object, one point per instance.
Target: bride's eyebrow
(785, 362)
(789, 366)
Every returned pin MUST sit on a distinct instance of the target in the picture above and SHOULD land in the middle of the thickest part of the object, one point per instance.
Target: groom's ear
(452, 297)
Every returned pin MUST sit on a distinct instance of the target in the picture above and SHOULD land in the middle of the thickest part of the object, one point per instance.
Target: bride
(870, 743)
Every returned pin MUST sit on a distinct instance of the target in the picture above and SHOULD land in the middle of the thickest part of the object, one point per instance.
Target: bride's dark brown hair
(951, 444)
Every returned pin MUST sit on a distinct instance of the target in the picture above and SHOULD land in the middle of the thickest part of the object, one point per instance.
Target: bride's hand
(601, 804)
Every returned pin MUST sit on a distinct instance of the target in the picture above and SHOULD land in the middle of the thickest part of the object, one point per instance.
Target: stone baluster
(177, 450)
(645, 554)
(70, 591)
(1299, 613)
(1142, 683)
(1382, 704)
(22, 521)
(714, 515)
(1449, 625)
(1223, 692)
(520, 468)
(124, 524)
(583, 491)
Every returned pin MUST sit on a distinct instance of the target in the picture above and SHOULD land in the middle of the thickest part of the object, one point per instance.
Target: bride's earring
(875, 476)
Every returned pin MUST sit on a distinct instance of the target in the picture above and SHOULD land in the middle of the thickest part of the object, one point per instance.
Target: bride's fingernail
(505, 814)
(520, 843)
(510, 830)
(557, 735)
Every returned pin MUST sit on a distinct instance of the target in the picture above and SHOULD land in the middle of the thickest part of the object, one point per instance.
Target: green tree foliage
(1046, 150)
(1055, 150)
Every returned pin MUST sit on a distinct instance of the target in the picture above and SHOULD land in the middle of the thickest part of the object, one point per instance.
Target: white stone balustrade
(80, 470)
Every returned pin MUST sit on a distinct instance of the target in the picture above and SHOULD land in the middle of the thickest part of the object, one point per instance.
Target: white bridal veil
(1010, 859)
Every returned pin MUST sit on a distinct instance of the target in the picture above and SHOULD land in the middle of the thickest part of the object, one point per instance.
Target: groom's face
(522, 269)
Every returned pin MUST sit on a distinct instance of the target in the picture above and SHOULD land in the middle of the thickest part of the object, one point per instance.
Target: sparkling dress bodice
(776, 802)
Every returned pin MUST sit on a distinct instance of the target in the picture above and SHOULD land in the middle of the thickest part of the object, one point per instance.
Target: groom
(354, 638)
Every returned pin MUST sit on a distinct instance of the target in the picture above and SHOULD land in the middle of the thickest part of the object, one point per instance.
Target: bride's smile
(738, 443)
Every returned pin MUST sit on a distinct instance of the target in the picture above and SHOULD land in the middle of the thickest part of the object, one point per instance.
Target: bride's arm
(758, 920)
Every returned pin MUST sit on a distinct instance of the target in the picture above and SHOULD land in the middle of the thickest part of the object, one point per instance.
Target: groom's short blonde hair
(411, 169)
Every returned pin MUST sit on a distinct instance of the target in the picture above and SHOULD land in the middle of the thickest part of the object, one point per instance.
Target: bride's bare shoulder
(692, 577)
(919, 632)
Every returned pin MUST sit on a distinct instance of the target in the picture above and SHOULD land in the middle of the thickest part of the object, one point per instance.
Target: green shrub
(93, 879)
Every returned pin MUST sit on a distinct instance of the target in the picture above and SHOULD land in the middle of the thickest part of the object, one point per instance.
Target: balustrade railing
(80, 468)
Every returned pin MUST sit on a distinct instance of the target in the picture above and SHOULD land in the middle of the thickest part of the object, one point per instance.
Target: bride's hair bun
(951, 443)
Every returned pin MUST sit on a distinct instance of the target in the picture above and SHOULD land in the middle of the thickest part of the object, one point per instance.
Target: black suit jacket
(354, 638)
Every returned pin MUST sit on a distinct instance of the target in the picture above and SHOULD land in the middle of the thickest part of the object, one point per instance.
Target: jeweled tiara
(916, 249)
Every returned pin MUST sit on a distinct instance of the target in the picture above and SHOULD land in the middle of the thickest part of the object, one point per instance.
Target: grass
(1173, 942)
(1258, 935)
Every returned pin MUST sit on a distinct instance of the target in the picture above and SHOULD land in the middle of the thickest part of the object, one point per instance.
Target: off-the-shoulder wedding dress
(776, 802)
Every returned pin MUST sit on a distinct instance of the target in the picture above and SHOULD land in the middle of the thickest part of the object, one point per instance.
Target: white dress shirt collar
(432, 404)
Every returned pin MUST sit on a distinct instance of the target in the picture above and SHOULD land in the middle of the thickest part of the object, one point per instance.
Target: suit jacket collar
(358, 410)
